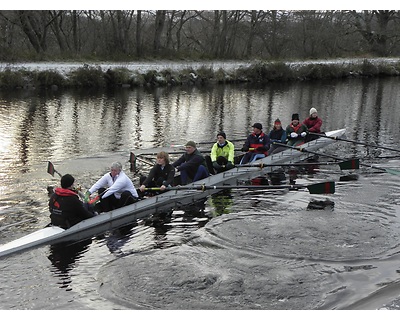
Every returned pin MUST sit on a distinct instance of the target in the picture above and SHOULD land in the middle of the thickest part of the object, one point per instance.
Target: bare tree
(256, 19)
(35, 25)
(121, 22)
(374, 28)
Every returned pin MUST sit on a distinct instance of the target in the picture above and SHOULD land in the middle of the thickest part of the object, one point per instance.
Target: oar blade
(393, 171)
(132, 160)
(50, 168)
(350, 164)
(322, 188)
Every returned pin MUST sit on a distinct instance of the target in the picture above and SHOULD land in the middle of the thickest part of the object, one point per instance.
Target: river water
(247, 250)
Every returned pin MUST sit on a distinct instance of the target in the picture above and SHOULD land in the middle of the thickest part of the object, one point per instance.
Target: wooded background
(181, 34)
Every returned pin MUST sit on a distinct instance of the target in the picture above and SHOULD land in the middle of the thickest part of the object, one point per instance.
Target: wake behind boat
(164, 201)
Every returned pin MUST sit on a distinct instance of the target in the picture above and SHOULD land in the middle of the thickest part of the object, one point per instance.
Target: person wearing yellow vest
(222, 153)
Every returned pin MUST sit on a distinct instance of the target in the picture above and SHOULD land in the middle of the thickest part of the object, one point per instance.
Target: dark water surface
(236, 250)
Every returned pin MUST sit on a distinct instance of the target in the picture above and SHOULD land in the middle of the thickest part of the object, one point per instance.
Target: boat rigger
(162, 202)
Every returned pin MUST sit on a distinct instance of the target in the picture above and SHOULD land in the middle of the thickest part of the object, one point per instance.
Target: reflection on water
(60, 125)
(82, 132)
(64, 257)
(221, 202)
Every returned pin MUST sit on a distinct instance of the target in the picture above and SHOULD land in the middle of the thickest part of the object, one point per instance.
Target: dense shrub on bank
(87, 76)
(48, 79)
(94, 77)
(10, 79)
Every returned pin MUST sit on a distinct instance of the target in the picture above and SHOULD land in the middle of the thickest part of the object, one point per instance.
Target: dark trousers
(111, 202)
(201, 173)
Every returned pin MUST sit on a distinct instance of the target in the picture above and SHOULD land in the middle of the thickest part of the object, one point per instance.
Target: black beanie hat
(67, 181)
(295, 116)
(222, 134)
(257, 125)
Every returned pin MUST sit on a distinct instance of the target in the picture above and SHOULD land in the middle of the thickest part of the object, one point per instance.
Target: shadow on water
(64, 257)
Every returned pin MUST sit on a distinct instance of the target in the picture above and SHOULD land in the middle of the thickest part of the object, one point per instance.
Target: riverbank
(167, 73)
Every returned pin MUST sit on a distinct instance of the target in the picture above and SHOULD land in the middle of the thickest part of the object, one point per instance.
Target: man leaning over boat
(65, 207)
(115, 189)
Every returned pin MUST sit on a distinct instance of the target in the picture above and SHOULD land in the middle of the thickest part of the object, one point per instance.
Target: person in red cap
(65, 207)
(256, 145)
(296, 132)
(277, 134)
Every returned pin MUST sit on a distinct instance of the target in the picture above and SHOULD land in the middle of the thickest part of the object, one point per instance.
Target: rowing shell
(160, 203)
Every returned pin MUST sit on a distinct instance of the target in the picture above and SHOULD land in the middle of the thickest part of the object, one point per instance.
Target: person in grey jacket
(192, 165)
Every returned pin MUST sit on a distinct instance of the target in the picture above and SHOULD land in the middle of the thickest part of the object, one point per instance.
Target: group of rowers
(117, 190)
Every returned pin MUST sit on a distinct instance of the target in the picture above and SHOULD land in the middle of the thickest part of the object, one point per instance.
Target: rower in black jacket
(65, 207)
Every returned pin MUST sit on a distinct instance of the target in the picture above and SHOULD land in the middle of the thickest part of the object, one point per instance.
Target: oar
(392, 171)
(344, 165)
(317, 188)
(51, 170)
(206, 142)
(353, 141)
(181, 152)
(132, 160)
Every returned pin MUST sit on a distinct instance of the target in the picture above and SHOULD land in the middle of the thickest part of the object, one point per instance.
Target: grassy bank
(89, 76)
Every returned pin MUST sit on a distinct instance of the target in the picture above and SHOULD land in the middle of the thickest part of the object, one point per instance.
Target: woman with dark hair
(277, 134)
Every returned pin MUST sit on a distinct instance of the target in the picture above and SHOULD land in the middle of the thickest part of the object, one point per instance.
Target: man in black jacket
(65, 207)
(192, 165)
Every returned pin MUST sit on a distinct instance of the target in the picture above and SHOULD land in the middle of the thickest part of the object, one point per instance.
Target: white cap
(313, 110)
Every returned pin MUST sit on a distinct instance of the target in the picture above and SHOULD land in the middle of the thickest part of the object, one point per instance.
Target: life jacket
(259, 141)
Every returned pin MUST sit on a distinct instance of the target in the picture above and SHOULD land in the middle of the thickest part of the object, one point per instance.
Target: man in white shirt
(115, 189)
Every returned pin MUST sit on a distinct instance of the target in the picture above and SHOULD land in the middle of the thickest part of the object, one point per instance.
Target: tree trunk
(75, 36)
(159, 27)
(30, 26)
(139, 33)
